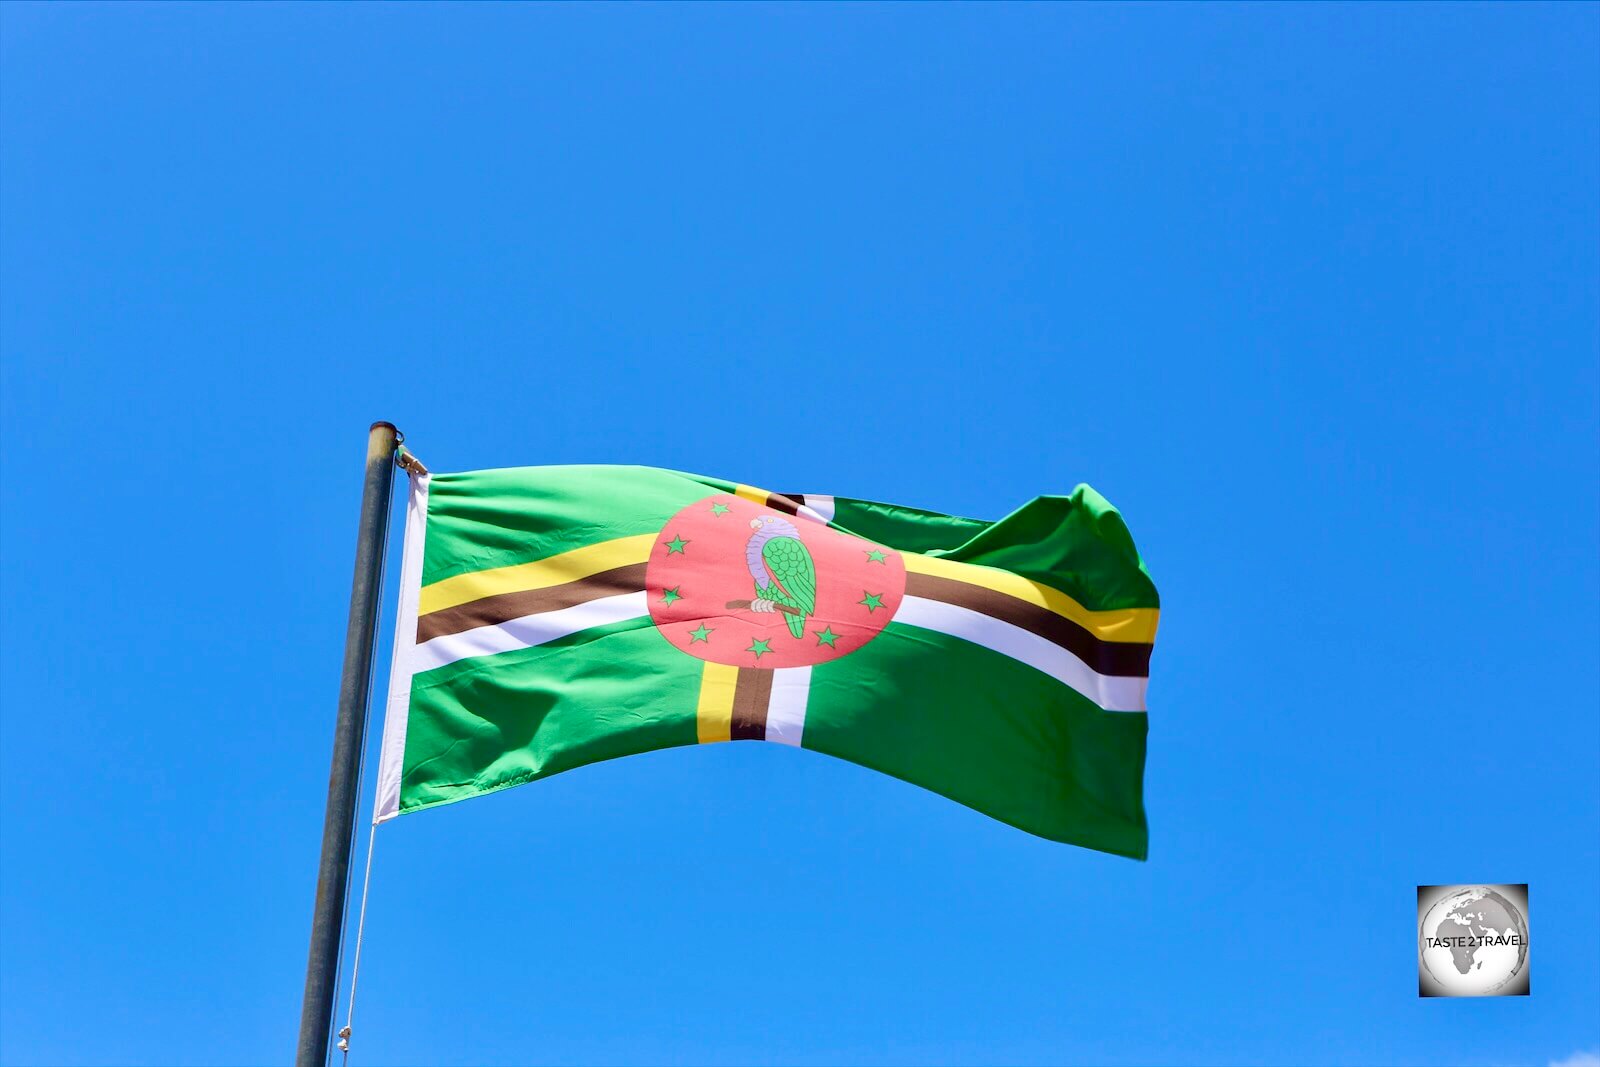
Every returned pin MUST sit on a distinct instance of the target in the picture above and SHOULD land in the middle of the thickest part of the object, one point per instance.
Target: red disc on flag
(735, 582)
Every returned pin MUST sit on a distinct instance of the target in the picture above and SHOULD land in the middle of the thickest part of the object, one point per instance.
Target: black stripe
(1119, 658)
(493, 610)
(752, 692)
(789, 505)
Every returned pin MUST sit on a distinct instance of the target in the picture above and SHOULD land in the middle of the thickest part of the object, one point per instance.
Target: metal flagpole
(349, 735)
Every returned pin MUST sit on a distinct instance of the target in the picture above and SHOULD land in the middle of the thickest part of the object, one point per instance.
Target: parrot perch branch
(786, 609)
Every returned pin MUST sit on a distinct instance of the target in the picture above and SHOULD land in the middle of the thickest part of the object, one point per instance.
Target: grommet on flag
(408, 462)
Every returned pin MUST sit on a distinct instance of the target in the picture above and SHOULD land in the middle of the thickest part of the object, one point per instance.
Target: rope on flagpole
(355, 963)
(408, 462)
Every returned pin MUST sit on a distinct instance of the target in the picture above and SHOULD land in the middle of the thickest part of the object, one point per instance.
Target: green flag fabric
(552, 617)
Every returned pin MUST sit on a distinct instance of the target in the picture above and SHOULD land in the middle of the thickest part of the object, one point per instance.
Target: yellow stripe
(567, 567)
(1130, 625)
(750, 492)
(713, 718)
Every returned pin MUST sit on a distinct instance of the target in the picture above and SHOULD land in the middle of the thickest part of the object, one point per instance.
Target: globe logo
(1472, 940)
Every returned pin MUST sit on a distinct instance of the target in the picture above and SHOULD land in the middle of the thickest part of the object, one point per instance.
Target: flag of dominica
(553, 617)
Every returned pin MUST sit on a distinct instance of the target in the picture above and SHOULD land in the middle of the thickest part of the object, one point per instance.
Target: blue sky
(1311, 293)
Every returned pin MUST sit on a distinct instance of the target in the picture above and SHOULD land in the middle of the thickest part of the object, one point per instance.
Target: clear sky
(1309, 292)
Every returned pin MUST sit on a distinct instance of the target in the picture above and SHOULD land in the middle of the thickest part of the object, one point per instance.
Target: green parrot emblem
(785, 576)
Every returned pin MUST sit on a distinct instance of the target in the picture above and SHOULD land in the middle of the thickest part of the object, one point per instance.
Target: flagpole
(349, 734)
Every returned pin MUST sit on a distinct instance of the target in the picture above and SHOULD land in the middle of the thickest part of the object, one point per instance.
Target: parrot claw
(762, 605)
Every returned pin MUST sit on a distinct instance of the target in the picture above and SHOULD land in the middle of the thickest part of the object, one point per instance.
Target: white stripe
(819, 508)
(401, 667)
(786, 708)
(530, 630)
(1111, 692)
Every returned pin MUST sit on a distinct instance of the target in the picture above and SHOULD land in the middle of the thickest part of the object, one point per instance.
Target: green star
(826, 637)
(873, 601)
(676, 545)
(875, 555)
(671, 595)
(701, 634)
(719, 509)
(759, 647)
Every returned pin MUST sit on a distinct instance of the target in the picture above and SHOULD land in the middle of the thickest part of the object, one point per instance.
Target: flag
(552, 617)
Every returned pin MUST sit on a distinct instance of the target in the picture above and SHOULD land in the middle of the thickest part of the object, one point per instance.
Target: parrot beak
(755, 524)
